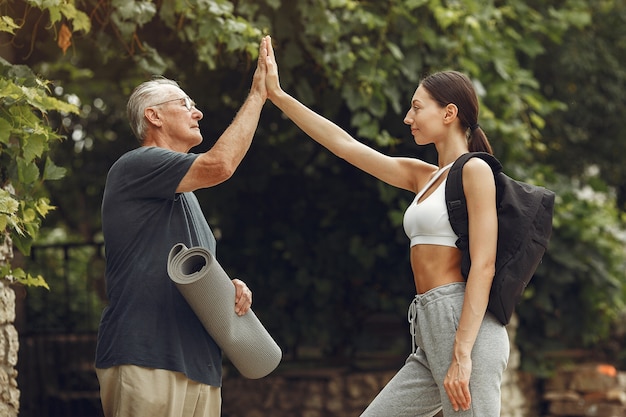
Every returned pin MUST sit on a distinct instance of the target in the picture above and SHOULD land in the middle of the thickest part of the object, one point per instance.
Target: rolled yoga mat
(211, 295)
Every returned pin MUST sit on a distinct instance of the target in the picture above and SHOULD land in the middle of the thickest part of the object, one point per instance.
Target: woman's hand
(456, 383)
(243, 297)
(272, 82)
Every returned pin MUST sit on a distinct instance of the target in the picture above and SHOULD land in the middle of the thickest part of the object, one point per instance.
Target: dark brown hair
(448, 87)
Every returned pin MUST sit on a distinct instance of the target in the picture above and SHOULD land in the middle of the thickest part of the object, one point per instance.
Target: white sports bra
(426, 222)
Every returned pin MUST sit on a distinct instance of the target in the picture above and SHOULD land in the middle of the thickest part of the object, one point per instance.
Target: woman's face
(425, 117)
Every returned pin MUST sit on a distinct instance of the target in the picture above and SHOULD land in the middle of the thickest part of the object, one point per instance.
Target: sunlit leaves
(8, 210)
(24, 141)
(43, 206)
(448, 15)
(209, 24)
(60, 9)
(22, 218)
(7, 24)
(19, 275)
(5, 131)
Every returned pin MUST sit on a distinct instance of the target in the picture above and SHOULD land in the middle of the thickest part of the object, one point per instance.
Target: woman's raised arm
(397, 171)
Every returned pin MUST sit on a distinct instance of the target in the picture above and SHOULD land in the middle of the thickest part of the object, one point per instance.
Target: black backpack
(524, 229)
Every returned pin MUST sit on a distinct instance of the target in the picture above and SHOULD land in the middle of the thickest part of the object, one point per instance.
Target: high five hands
(272, 81)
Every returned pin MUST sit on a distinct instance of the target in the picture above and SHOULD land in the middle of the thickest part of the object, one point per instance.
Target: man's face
(179, 119)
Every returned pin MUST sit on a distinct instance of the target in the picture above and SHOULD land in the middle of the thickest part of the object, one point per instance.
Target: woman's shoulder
(477, 168)
(477, 178)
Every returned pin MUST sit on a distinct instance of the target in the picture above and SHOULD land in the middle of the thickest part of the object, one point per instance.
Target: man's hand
(258, 80)
(243, 297)
(272, 80)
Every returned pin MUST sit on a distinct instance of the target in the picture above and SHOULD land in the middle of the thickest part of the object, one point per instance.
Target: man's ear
(152, 116)
(451, 112)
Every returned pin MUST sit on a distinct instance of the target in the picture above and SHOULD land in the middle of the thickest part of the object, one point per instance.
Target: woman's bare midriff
(434, 266)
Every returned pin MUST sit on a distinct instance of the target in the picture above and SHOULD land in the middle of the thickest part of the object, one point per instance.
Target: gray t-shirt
(148, 322)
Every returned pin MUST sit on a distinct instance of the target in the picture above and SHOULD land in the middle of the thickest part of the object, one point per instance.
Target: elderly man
(154, 357)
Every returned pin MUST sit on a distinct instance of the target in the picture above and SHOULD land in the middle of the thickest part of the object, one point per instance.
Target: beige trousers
(130, 390)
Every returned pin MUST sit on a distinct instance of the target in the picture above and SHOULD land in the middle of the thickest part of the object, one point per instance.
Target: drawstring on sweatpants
(412, 316)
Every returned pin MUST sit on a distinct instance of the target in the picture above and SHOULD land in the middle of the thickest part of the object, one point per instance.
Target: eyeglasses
(189, 103)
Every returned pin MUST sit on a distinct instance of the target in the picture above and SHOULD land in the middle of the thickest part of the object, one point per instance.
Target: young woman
(460, 350)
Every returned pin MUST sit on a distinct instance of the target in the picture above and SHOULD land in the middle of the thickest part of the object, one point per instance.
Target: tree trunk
(9, 343)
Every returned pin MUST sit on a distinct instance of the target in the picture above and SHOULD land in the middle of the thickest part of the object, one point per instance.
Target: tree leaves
(358, 63)
(51, 172)
(59, 10)
(24, 140)
(128, 15)
(7, 24)
(19, 275)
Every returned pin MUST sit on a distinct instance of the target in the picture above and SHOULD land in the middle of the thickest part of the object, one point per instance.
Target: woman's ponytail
(478, 141)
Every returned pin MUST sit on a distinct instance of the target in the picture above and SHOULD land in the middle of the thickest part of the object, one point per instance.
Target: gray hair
(141, 97)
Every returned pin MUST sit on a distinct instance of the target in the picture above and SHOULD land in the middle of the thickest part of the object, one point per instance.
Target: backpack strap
(456, 202)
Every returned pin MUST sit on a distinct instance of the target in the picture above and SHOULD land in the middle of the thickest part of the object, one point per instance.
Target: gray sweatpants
(417, 389)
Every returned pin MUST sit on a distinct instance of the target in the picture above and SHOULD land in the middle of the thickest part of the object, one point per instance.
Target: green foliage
(320, 243)
(578, 300)
(57, 11)
(578, 292)
(375, 54)
(207, 28)
(7, 24)
(21, 276)
(24, 141)
(587, 73)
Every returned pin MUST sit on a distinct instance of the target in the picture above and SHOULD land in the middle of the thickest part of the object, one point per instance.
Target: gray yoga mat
(211, 295)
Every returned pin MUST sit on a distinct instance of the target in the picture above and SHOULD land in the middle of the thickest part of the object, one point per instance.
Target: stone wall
(9, 345)
(586, 390)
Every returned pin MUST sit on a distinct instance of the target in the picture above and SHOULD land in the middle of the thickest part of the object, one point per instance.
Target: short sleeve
(150, 172)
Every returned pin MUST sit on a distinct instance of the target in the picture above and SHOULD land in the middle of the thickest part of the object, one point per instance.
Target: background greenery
(319, 242)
